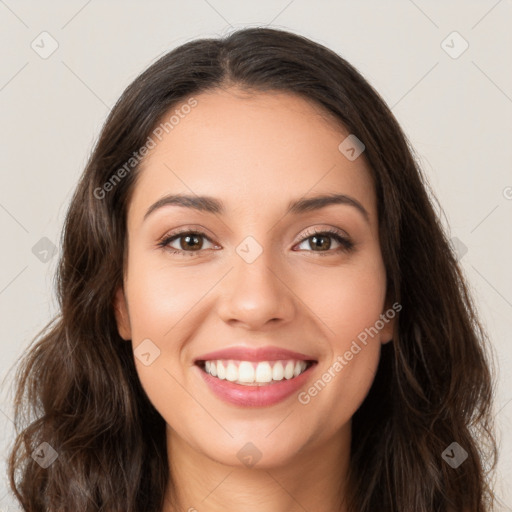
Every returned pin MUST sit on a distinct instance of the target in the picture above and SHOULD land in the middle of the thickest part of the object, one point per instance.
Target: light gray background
(457, 113)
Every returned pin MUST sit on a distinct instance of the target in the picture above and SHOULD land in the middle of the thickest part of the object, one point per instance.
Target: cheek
(160, 296)
(348, 303)
(347, 300)
(159, 302)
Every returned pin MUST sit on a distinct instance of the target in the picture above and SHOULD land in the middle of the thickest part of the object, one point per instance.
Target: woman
(215, 350)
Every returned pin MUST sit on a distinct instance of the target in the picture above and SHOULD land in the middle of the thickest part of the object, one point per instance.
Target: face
(249, 273)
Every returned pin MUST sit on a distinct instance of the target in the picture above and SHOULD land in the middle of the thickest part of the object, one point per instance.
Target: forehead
(257, 150)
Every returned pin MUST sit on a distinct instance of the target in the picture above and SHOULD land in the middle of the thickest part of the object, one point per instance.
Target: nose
(255, 294)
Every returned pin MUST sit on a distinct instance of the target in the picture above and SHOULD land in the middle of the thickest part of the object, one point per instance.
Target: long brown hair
(77, 387)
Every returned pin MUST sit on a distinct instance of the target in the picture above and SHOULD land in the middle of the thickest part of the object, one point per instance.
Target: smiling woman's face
(256, 276)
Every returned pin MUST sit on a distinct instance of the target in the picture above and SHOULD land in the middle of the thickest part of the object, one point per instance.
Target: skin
(255, 152)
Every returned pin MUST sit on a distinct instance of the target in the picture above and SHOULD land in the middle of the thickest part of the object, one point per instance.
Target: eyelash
(346, 244)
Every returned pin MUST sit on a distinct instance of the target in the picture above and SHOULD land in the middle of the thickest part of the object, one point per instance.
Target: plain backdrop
(443, 67)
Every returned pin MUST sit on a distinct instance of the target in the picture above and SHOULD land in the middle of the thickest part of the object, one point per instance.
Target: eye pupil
(315, 238)
(188, 237)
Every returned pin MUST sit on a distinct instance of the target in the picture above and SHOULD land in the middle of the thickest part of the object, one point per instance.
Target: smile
(255, 384)
(255, 373)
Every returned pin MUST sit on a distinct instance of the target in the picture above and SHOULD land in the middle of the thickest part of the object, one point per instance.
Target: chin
(254, 452)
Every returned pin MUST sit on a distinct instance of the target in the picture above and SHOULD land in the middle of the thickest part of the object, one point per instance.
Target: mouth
(254, 377)
(255, 383)
(255, 373)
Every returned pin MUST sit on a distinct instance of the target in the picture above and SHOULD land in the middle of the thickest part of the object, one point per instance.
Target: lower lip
(255, 396)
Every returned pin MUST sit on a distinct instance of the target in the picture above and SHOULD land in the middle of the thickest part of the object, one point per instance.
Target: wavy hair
(77, 388)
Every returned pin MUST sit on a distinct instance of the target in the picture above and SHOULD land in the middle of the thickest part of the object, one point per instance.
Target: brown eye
(189, 242)
(321, 243)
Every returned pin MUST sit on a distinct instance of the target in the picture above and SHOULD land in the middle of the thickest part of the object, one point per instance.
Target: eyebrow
(211, 205)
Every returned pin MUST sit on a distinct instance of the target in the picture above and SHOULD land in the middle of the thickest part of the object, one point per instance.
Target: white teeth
(278, 371)
(221, 372)
(288, 371)
(231, 372)
(248, 372)
(263, 372)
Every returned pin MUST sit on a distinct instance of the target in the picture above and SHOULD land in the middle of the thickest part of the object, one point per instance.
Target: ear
(388, 318)
(122, 317)
(387, 332)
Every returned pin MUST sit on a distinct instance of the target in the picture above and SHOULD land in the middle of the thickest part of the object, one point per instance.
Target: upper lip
(241, 353)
